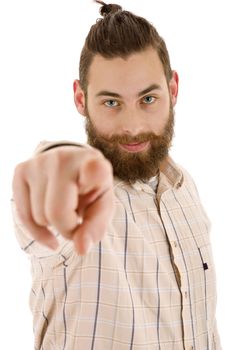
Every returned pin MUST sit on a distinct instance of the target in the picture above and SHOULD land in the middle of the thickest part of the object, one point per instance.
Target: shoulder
(188, 181)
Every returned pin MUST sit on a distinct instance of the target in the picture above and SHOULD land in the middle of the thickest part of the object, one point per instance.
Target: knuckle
(100, 166)
(52, 158)
(92, 154)
(62, 157)
(19, 170)
(97, 153)
(27, 170)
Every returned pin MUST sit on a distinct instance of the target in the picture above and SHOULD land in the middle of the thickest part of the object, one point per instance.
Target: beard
(129, 166)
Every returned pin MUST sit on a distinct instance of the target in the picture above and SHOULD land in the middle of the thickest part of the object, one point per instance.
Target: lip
(135, 147)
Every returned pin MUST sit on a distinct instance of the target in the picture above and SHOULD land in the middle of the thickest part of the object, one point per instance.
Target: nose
(131, 123)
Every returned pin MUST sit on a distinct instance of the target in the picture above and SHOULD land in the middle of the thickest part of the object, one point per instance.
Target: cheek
(105, 123)
(160, 118)
(106, 129)
(157, 126)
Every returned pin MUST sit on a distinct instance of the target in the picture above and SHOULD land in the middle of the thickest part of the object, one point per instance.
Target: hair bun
(108, 8)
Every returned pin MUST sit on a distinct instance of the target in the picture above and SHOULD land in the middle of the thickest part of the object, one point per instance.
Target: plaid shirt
(148, 284)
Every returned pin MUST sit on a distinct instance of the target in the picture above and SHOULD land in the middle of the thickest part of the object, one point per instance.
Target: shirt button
(175, 244)
(186, 296)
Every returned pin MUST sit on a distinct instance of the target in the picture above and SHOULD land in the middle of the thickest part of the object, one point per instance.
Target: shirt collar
(170, 175)
(172, 172)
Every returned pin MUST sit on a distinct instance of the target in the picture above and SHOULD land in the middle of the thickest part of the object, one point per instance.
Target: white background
(40, 46)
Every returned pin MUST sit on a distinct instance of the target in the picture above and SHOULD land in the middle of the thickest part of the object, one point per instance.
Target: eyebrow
(143, 92)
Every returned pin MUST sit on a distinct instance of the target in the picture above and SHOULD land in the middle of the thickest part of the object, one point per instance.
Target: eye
(111, 103)
(149, 99)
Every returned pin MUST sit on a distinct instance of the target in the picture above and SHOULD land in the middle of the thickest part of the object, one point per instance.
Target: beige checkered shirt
(150, 284)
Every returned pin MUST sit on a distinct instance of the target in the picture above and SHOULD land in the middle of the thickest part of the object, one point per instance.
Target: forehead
(139, 70)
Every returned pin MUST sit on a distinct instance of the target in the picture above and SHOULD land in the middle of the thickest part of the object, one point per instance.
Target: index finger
(95, 222)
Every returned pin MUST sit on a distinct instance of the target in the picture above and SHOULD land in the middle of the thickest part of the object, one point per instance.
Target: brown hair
(119, 34)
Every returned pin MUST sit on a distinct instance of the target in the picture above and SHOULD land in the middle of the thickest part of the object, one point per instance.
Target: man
(123, 261)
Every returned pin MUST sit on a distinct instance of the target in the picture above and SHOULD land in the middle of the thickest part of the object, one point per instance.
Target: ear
(173, 87)
(79, 97)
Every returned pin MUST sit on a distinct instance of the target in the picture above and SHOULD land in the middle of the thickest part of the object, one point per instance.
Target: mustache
(126, 139)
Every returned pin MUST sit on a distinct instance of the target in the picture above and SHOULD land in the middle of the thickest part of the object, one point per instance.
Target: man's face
(129, 111)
